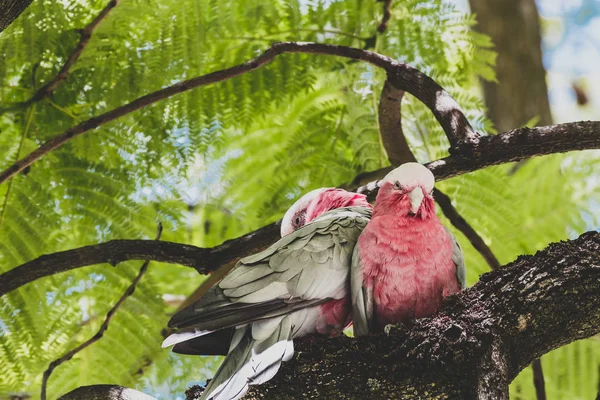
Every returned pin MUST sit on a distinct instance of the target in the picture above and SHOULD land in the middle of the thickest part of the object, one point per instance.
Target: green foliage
(219, 161)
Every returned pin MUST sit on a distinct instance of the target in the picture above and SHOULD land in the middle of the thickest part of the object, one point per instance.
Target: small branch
(402, 76)
(85, 36)
(538, 379)
(128, 292)
(105, 392)
(204, 260)
(387, 14)
(462, 225)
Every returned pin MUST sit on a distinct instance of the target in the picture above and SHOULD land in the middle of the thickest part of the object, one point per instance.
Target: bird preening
(339, 262)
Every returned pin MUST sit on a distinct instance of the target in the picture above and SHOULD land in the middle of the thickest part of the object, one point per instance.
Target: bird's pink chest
(409, 265)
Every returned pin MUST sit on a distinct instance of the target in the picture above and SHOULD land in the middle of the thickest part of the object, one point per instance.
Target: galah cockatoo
(405, 261)
(298, 286)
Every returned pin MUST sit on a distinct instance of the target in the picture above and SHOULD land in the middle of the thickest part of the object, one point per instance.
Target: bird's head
(407, 190)
(315, 203)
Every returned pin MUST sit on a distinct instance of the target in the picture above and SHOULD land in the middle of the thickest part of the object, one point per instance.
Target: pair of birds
(339, 261)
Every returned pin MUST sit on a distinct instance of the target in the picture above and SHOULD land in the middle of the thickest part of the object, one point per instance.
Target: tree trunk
(521, 92)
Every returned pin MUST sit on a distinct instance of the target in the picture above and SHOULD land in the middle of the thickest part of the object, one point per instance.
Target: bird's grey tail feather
(250, 362)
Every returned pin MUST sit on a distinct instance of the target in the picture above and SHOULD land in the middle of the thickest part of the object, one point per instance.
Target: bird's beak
(416, 198)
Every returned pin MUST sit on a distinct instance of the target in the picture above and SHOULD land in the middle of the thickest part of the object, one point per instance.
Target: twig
(128, 292)
(85, 35)
(462, 225)
(538, 379)
(402, 76)
(204, 260)
(387, 6)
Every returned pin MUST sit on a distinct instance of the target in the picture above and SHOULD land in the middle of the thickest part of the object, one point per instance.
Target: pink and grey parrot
(405, 261)
(298, 286)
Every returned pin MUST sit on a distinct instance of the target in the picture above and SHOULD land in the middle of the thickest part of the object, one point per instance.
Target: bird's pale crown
(410, 175)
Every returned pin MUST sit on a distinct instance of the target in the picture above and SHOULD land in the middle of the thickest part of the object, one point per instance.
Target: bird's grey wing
(300, 270)
(459, 260)
(362, 297)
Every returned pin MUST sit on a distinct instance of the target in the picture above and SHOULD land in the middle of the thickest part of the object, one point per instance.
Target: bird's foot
(388, 329)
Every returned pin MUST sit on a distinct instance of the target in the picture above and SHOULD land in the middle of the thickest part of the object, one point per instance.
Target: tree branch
(514, 145)
(479, 340)
(402, 76)
(398, 151)
(70, 354)
(387, 14)
(105, 392)
(491, 150)
(390, 125)
(204, 260)
(85, 36)
(10, 10)
(538, 379)
(462, 225)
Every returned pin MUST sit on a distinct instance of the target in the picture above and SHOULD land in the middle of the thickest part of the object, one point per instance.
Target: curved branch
(203, 260)
(472, 348)
(403, 76)
(390, 125)
(398, 152)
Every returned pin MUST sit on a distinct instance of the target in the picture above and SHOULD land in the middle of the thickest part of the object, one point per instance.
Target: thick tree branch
(402, 76)
(70, 354)
(204, 260)
(10, 10)
(105, 392)
(477, 343)
(514, 145)
(491, 150)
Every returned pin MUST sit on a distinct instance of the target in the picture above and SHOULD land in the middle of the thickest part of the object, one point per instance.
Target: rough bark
(10, 10)
(520, 93)
(472, 348)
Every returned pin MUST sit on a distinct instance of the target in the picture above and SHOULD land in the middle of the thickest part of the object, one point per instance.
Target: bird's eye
(299, 219)
(397, 185)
